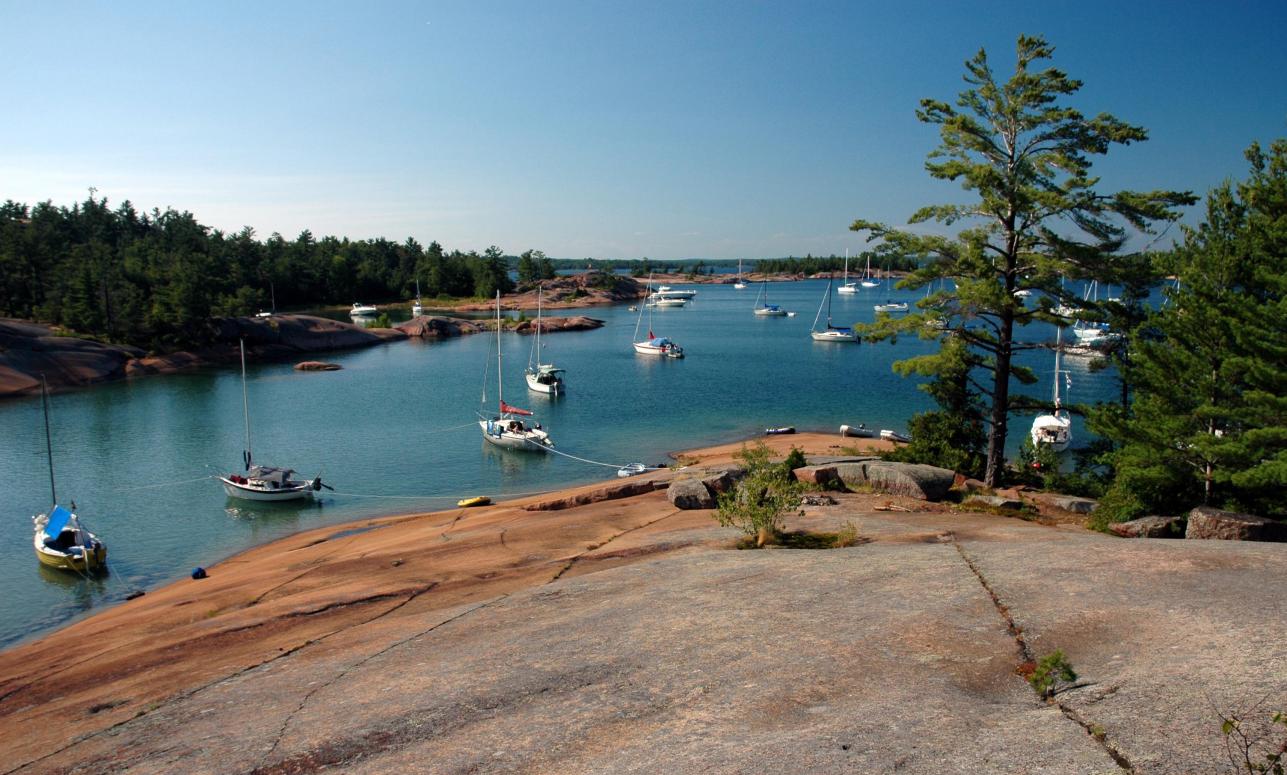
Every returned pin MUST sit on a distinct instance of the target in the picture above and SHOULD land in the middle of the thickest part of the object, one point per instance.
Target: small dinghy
(477, 500)
(634, 469)
(888, 435)
(859, 431)
(785, 431)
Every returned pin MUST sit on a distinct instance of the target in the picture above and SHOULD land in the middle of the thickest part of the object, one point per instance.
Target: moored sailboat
(830, 333)
(507, 429)
(847, 287)
(1054, 430)
(654, 345)
(740, 284)
(762, 306)
(542, 377)
(260, 482)
(59, 539)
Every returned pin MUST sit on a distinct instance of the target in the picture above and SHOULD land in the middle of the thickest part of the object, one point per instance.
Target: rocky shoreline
(448, 641)
(28, 350)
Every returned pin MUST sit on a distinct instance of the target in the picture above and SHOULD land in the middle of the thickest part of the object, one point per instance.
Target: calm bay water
(394, 431)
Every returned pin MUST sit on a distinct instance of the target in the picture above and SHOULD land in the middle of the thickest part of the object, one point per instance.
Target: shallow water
(394, 431)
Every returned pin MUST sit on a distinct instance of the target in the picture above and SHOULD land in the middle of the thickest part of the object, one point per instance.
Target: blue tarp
(57, 521)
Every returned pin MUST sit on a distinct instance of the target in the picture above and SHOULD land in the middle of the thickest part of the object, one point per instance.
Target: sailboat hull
(253, 492)
(1052, 431)
(529, 441)
(534, 384)
(834, 336)
(847, 289)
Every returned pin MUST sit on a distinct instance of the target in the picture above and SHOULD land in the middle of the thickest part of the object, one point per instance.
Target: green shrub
(1051, 671)
(762, 499)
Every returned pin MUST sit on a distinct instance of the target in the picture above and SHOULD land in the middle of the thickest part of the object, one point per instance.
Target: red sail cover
(507, 409)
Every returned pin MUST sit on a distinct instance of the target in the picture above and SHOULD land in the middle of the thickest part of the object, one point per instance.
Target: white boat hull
(250, 492)
(1052, 431)
(534, 384)
(847, 289)
(834, 336)
(767, 312)
(739, 286)
(644, 348)
(667, 302)
(530, 440)
(891, 307)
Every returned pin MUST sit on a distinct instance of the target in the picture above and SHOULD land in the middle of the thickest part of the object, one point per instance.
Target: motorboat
(892, 306)
(666, 292)
(785, 430)
(665, 301)
(261, 482)
(507, 428)
(362, 310)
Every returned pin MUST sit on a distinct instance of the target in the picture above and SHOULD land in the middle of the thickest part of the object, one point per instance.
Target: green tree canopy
(1034, 215)
(1208, 423)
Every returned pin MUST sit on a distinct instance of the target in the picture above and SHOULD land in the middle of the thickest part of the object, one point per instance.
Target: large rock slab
(550, 325)
(913, 480)
(28, 350)
(1150, 527)
(287, 336)
(994, 501)
(819, 475)
(627, 488)
(438, 327)
(690, 493)
(1206, 522)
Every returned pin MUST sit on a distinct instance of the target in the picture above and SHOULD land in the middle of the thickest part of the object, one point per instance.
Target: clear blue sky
(604, 129)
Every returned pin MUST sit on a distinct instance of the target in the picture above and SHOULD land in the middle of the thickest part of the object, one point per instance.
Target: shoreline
(448, 640)
(184, 632)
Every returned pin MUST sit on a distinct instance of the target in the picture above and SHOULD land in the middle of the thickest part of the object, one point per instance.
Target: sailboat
(1090, 332)
(868, 279)
(541, 377)
(846, 287)
(890, 305)
(59, 539)
(654, 345)
(762, 306)
(740, 284)
(506, 428)
(1054, 430)
(830, 333)
(417, 309)
(264, 483)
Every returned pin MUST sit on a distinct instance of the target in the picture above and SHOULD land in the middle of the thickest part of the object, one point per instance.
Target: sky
(594, 129)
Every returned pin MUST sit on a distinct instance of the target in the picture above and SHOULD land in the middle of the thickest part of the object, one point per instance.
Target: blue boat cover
(57, 521)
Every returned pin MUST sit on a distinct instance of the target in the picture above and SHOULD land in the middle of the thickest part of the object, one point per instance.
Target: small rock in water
(317, 366)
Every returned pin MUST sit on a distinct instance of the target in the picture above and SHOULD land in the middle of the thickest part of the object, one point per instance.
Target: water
(396, 426)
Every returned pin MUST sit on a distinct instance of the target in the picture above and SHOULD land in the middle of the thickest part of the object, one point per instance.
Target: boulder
(690, 494)
(913, 480)
(822, 476)
(162, 364)
(970, 485)
(437, 327)
(1206, 522)
(995, 501)
(1073, 503)
(1150, 527)
(553, 325)
(317, 366)
(722, 479)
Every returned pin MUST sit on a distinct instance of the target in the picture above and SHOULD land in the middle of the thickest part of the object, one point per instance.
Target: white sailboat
(654, 345)
(541, 377)
(868, 279)
(762, 306)
(417, 309)
(847, 287)
(264, 483)
(506, 429)
(890, 305)
(830, 333)
(740, 284)
(1054, 430)
(59, 539)
(1090, 333)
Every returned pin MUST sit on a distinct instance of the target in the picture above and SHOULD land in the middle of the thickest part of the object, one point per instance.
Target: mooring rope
(591, 462)
(163, 484)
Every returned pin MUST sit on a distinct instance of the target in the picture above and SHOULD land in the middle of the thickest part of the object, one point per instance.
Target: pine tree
(1208, 423)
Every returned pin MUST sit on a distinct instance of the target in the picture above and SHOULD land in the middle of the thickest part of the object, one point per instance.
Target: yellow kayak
(477, 500)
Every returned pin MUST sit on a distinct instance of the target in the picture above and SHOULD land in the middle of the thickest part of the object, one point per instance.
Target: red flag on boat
(507, 409)
(650, 336)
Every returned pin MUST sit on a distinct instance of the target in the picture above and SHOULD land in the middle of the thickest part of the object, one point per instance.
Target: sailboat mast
(500, 382)
(1059, 338)
(49, 445)
(538, 326)
(245, 402)
(846, 280)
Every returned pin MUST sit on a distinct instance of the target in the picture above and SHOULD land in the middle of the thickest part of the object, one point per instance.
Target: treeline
(154, 280)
